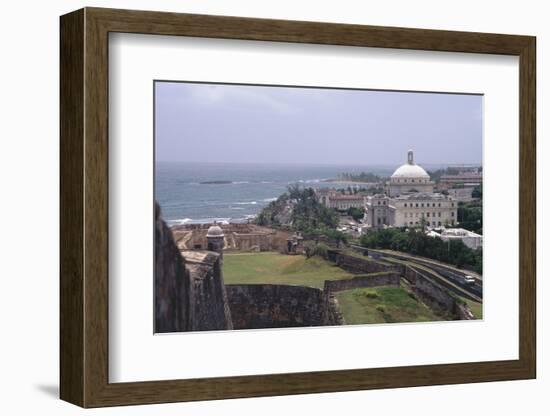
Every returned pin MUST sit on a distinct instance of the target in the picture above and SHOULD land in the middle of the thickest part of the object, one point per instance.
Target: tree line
(306, 215)
(415, 242)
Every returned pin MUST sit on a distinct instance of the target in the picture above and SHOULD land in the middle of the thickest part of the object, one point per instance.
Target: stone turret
(215, 238)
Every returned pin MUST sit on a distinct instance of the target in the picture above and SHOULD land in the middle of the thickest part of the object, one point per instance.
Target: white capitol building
(410, 177)
(409, 201)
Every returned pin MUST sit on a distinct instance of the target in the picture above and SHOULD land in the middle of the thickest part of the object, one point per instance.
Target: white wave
(179, 222)
(269, 199)
(246, 203)
(185, 221)
(239, 182)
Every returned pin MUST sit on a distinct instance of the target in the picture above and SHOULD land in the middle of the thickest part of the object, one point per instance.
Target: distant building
(295, 244)
(462, 194)
(429, 209)
(379, 212)
(331, 198)
(409, 200)
(469, 238)
(466, 177)
(409, 178)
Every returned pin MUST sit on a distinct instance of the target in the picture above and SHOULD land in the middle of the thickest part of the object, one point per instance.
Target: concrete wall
(279, 306)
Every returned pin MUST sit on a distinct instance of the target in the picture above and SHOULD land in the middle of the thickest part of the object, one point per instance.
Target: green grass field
(281, 269)
(359, 306)
(475, 307)
(384, 304)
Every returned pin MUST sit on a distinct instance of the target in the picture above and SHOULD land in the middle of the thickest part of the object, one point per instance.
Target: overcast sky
(243, 124)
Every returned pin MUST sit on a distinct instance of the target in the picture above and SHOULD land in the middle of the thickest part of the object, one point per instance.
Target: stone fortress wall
(190, 294)
(240, 237)
(189, 289)
(280, 306)
(421, 282)
(363, 281)
(359, 265)
(434, 295)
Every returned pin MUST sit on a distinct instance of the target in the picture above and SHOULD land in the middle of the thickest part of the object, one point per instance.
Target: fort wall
(280, 306)
(434, 295)
(240, 237)
(189, 289)
(171, 281)
(382, 279)
(359, 265)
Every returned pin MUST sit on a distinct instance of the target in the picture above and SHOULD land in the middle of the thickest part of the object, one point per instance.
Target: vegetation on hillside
(415, 242)
(299, 210)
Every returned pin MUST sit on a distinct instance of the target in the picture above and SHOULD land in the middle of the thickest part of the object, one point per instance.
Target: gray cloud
(261, 124)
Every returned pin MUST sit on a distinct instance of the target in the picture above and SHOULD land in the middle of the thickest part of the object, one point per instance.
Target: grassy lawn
(275, 268)
(384, 304)
(475, 307)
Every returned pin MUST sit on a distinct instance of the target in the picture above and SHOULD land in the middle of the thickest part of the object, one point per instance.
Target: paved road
(450, 273)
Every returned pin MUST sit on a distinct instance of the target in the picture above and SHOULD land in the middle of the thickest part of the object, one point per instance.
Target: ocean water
(184, 196)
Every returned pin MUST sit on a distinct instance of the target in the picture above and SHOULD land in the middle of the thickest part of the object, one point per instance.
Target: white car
(469, 280)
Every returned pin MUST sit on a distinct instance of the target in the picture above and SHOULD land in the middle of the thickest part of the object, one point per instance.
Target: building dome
(214, 231)
(410, 170)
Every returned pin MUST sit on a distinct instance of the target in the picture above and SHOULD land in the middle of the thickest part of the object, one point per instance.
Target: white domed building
(409, 178)
(410, 201)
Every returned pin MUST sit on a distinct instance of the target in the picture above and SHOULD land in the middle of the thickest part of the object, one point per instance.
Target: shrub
(321, 250)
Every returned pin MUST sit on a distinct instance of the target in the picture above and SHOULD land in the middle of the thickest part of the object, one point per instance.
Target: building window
(417, 205)
(428, 214)
(378, 202)
(439, 223)
(439, 214)
(439, 204)
(422, 205)
(452, 204)
(405, 205)
(452, 214)
(411, 223)
(433, 205)
(433, 214)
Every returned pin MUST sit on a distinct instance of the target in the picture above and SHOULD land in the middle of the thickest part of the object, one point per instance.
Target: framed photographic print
(255, 207)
